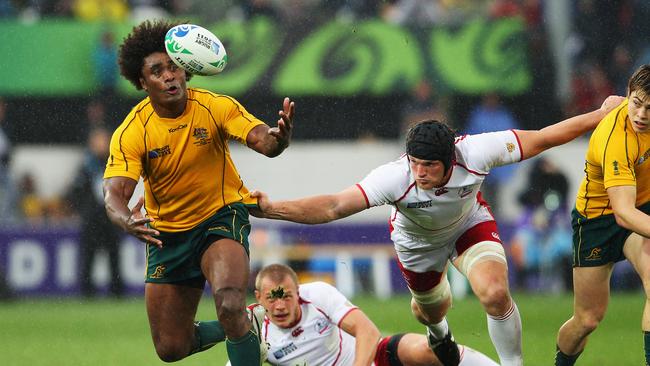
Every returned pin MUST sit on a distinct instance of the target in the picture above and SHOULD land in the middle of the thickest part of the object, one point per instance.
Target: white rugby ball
(195, 49)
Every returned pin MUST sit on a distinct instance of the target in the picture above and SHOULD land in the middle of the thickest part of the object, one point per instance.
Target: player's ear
(258, 295)
(143, 84)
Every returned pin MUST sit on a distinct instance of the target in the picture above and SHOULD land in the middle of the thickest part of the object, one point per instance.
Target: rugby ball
(195, 49)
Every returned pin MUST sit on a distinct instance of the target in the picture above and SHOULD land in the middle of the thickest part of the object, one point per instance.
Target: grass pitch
(106, 332)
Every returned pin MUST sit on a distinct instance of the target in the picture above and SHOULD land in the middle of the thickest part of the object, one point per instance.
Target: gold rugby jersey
(617, 156)
(185, 162)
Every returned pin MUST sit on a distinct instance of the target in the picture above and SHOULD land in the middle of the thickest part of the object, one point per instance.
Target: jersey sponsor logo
(594, 255)
(615, 166)
(179, 127)
(322, 324)
(296, 332)
(510, 147)
(285, 351)
(201, 136)
(464, 192)
(159, 152)
(423, 204)
(159, 272)
(441, 191)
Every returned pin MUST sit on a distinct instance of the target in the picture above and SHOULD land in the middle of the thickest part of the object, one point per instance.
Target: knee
(495, 298)
(170, 350)
(230, 302)
(588, 322)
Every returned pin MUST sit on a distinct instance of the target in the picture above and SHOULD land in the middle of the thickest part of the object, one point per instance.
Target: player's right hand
(136, 225)
(612, 102)
(263, 204)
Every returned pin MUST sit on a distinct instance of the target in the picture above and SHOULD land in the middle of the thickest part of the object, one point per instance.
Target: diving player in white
(439, 216)
(313, 324)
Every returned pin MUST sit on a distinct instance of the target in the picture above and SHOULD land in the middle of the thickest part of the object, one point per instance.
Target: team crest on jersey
(322, 324)
(159, 272)
(594, 255)
(423, 204)
(159, 152)
(201, 136)
(510, 147)
(464, 192)
(615, 167)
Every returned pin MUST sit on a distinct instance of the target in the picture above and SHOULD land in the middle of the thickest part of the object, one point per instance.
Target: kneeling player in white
(314, 324)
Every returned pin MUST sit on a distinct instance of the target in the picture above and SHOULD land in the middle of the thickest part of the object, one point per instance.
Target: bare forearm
(567, 130)
(366, 347)
(311, 210)
(635, 220)
(117, 210)
(273, 147)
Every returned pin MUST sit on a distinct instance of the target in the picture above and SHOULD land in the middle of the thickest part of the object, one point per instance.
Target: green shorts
(600, 240)
(179, 260)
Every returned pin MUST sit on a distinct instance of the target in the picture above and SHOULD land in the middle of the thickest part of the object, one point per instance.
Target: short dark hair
(431, 140)
(276, 272)
(146, 38)
(640, 80)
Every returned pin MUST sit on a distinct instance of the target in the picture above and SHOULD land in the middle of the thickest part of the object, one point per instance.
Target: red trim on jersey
(468, 169)
(484, 231)
(364, 195)
(521, 151)
(405, 193)
(340, 347)
(420, 282)
(483, 202)
(344, 315)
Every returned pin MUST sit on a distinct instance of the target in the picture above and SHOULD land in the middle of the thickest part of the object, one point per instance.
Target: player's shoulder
(207, 96)
(614, 124)
(399, 165)
(136, 118)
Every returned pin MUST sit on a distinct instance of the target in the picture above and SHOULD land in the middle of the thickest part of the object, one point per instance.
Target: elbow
(621, 221)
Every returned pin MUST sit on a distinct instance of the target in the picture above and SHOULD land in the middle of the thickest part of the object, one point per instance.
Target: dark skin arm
(117, 193)
(271, 141)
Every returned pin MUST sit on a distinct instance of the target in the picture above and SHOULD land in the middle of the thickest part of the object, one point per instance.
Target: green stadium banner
(370, 57)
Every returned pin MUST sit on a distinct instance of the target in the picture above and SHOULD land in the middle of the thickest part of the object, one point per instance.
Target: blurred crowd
(606, 41)
(414, 12)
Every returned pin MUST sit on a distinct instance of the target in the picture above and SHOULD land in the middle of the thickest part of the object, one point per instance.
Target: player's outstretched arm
(271, 141)
(366, 336)
(117, 193)
(535, 142)
(312, 210)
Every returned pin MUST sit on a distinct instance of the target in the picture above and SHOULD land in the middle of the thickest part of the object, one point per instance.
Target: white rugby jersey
(317, 339)
(429, 216)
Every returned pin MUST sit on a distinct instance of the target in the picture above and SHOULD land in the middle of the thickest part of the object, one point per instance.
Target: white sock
(505, 332)
(472, 357)
(439, 330)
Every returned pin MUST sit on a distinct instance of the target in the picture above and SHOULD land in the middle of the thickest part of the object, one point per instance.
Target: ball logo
(179, 31)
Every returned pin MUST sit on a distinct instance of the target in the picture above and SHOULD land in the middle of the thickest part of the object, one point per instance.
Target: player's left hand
(282, 132)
